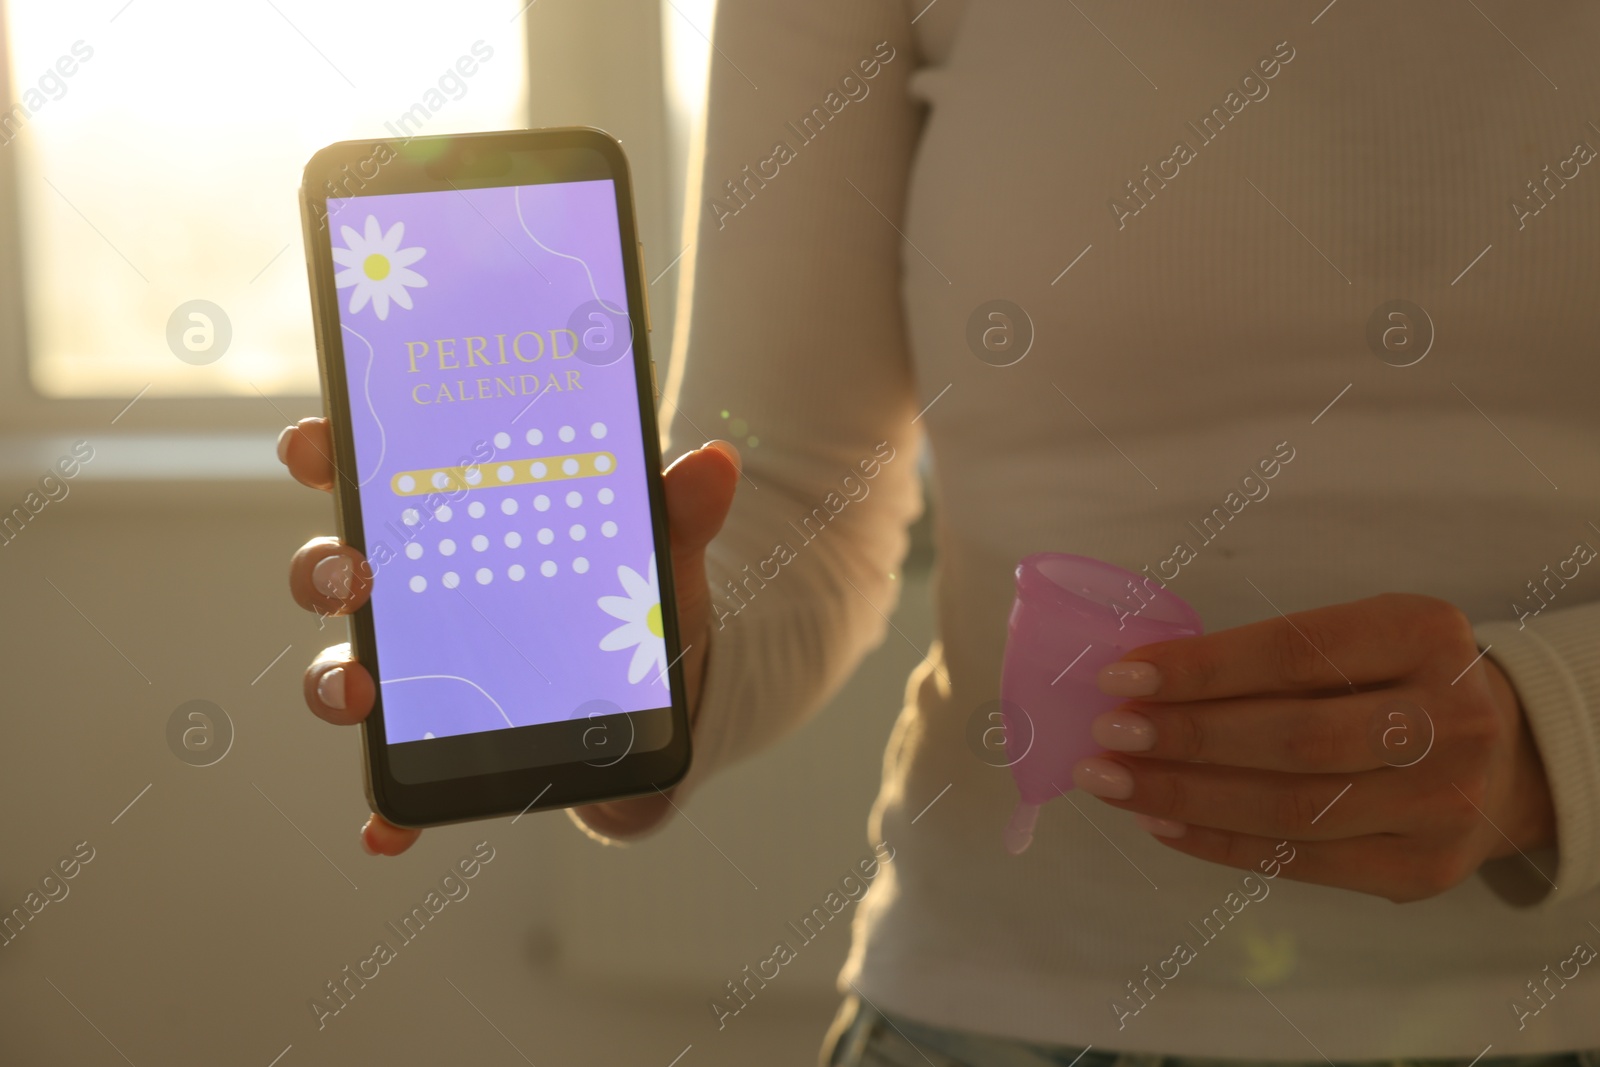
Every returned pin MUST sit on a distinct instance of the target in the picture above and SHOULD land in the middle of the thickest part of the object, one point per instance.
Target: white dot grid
(512, 539)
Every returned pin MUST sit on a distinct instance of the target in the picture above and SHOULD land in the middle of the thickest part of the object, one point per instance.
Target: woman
(1117, 265)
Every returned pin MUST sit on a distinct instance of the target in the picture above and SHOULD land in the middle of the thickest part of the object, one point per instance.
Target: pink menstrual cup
(1072, 616)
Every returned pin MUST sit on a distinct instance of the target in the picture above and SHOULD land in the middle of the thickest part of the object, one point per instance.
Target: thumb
(699, 490)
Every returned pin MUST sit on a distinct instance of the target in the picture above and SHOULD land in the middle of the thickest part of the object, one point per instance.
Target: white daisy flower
(640, 612)
(377, 266)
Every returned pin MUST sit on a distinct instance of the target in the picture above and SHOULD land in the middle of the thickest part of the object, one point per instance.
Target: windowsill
(156, 469)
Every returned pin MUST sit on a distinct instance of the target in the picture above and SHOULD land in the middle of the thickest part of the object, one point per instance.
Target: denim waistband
(863, 1036)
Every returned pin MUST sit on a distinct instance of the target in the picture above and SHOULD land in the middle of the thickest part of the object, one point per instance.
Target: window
(157, 149)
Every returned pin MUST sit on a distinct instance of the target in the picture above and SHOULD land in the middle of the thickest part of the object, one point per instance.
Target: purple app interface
(500, 457)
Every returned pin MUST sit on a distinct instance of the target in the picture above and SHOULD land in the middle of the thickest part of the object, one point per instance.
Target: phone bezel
(382, 166)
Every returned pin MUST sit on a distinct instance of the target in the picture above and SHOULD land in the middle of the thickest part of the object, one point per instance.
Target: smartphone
(483, 333)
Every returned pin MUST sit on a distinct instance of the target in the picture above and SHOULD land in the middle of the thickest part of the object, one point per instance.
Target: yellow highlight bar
(498, 474)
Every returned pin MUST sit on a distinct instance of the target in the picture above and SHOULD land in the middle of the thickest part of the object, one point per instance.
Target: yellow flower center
(376, 267)
(653, 619)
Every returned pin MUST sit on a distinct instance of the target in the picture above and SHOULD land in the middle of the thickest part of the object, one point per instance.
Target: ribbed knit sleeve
(1553, 661)
(791, 344)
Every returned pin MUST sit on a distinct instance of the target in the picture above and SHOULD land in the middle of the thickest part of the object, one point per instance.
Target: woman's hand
(330, 578)
(1373, 735)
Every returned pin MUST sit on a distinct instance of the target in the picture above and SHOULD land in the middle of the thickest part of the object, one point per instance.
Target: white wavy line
(456, 678)
(366, 390)
(515, 199)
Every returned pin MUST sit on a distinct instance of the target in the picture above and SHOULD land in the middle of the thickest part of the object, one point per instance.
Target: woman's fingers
(306, 448)
(337, 688)
(332, 579)
(1336, 734)
(383, 838)
(328, 577)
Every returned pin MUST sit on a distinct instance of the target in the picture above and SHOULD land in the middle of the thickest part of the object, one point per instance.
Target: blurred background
(150, 152)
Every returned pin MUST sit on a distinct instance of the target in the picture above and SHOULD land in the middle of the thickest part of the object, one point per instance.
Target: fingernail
(727, 450)
(283, 444)
(1134, 679)
(330, 688)
(1124, 731)
(1103, 778)
(1160, 827)
(332, 576)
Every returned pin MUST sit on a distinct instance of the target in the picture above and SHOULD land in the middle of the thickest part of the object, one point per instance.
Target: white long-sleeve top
(875, 171)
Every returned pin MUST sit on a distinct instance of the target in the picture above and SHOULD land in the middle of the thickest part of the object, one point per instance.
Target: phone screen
(500, 463)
